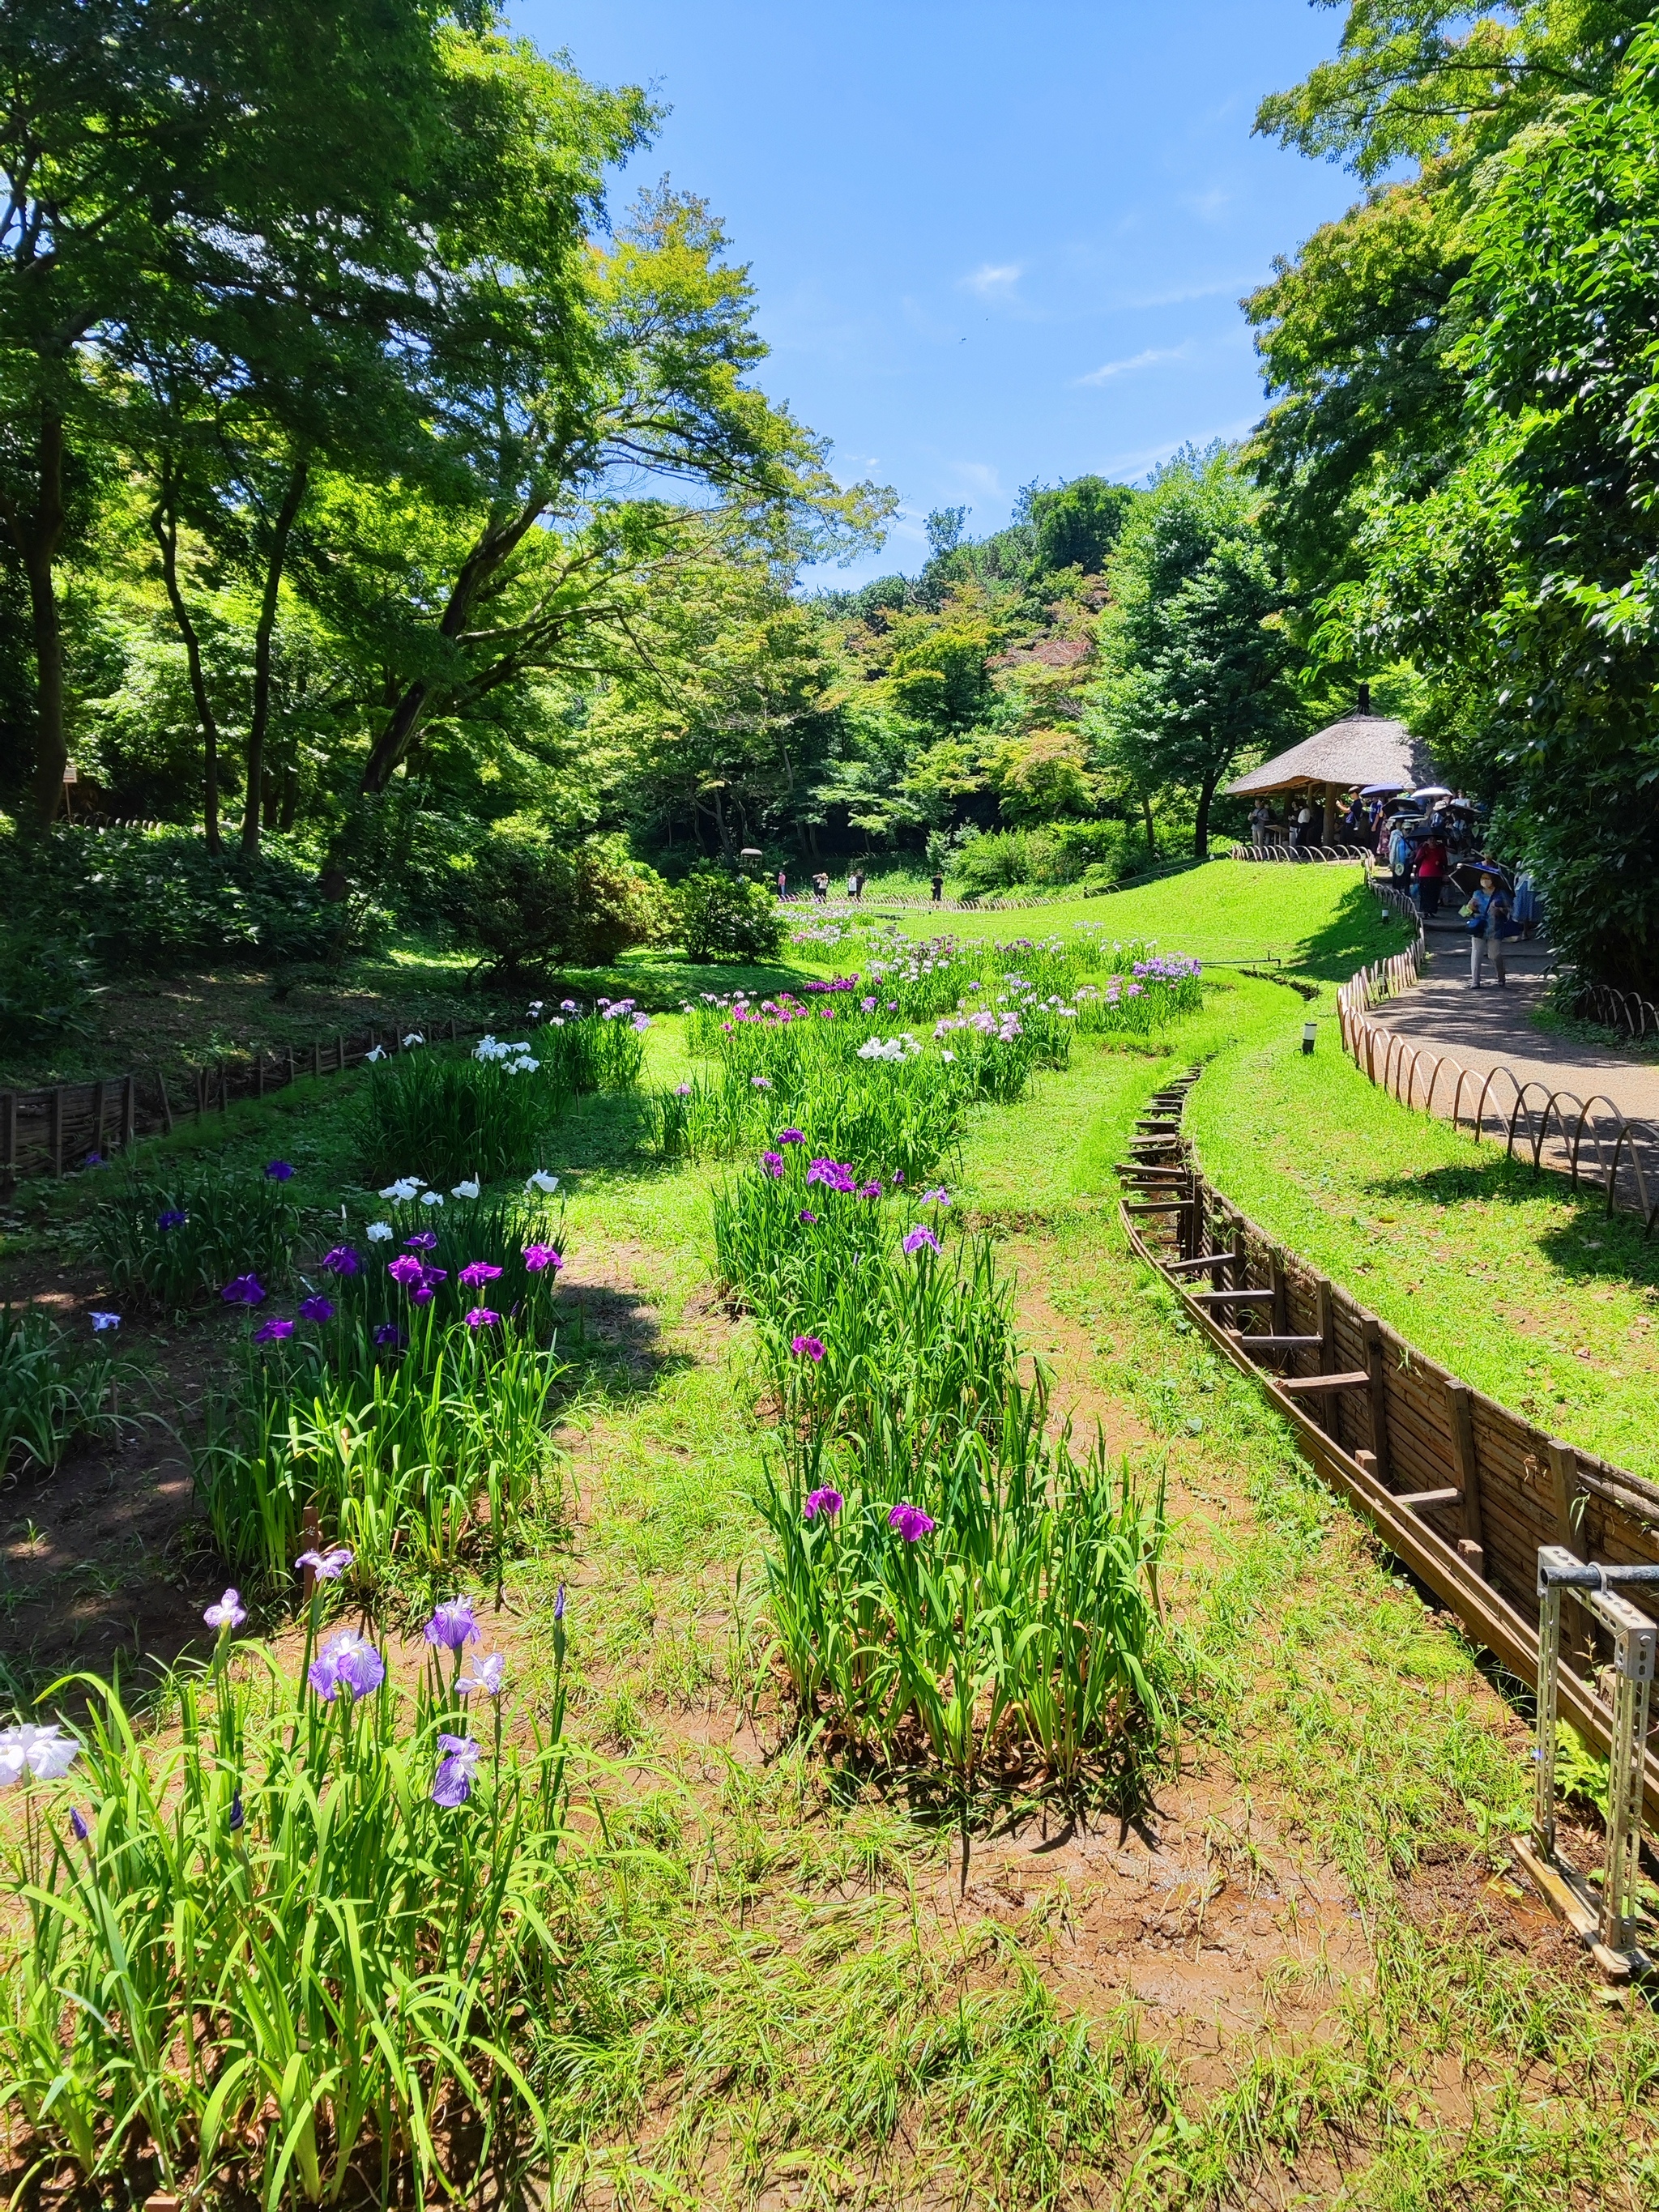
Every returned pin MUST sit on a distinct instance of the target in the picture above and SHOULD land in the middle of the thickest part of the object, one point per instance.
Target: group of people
(1302, 826)
(855, 882)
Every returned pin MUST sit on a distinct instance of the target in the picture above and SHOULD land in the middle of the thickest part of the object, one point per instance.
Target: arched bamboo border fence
(1396, 1062)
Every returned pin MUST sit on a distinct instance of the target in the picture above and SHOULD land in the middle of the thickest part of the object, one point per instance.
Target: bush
(45, 988)
(157, 900)
(54, 1389)
(524, 901)
(1101, 852)
(174, 1239)
(726, 917)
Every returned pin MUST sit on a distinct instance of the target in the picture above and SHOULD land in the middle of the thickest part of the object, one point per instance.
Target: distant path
(1490, 1028)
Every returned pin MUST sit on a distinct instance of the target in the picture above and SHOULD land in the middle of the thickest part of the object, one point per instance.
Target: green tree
(1077, 524)
(1194, 658)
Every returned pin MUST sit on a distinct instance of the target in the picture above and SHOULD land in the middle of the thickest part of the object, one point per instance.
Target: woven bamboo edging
(1595, 1144)
(1460, 1489)
(43, 1132)
(1281, 852)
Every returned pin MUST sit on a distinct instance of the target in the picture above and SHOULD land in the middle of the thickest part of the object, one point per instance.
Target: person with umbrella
(1487, 916)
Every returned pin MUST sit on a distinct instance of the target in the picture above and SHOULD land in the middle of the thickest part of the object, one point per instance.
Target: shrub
(54, 1389)
(727, 917)
(523, 901)
(459, 1113)
(45, 987)
(174, 1239)
(158, 900)
(286, 1951)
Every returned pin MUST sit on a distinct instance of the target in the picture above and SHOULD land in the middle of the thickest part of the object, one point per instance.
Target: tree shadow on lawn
(1358, 933)
(1591, 1246)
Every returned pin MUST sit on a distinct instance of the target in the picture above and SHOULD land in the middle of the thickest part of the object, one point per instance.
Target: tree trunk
(1201, 827)
(37, 542)
(1152, 837)
(164, 525)
(260, 720)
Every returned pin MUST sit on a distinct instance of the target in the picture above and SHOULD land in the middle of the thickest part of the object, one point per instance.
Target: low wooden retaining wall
(45, 1132)
(1457, 1487)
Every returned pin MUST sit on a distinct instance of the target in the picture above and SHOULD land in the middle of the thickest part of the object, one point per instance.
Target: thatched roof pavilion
(1365, 747)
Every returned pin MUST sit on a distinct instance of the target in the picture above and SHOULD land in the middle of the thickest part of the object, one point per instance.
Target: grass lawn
(1304, 1977)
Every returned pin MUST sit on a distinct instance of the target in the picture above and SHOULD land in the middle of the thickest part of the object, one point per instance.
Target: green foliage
(46, 985)
(275, 1958)
(1077, 524)
(1195, 655)
(171, 1239)
(458, 1115)
(54, 1389)
(154, 901)
(527, 902)
(727, 917)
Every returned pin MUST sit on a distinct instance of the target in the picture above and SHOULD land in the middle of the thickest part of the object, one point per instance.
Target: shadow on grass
(1591, 1245)
(1358, 933)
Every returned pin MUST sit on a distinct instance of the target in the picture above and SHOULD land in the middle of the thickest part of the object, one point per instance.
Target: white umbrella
(1430, 791)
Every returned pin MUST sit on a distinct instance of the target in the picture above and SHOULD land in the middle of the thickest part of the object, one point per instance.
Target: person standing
(1488, 916)
(1304, 835)
(939, 889)
(1432, 864)
(820, 885)
(783, 884)
(858, 883)
(1260, 816)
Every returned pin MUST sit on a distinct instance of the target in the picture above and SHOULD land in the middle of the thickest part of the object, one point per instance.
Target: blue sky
(991, 244)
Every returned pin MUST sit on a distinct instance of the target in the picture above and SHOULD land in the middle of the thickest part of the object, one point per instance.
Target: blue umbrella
(1381, 790)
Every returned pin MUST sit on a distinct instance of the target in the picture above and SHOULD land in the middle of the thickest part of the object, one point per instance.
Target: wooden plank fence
(1461, 1488)
(56, 1130)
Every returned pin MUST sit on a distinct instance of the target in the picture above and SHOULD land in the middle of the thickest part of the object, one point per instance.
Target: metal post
(1549, 1670)
(1633, 1642)
(166, 1103)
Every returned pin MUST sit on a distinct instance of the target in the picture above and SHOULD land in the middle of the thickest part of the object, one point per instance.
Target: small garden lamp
(1309, 1030)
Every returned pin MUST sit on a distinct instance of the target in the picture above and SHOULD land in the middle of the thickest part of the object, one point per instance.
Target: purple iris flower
(316, 1308)
(792, 1137)
(806, 1215)
(423, 1240)
(919, 1237)
(452, 1624)
(482, 1318)
(77, 1825)
(229, 1613)
(452, 1784)
(911, 1522)
(537, 1257)
(328, 1566)
(342, 1261)
(476, 1273)
(405, 1269)
(826, 1501)
(808, 1347)
(389, 1333)
(273, 1331)
(558, 1604)
(773, 1163)
(279, 1170)
(347, 1661)
(174, 1217)
(244, 1290)
(237, 1814)
(871, 1189)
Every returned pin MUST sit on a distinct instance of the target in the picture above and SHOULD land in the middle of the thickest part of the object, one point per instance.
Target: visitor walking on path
(783, 884)
(1488, 916)
(1431, 863)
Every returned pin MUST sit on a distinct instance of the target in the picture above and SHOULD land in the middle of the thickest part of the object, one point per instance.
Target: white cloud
(1150, 359)
(978, 476)
(994, 281)
(1207, 206)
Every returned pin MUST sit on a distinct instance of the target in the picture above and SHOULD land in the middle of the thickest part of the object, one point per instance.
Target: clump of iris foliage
(407, 1398)
(54, 1389)
(944, 1576)
(170, 1239)
(281, 1952)
(946, 1025)
(488, 1111)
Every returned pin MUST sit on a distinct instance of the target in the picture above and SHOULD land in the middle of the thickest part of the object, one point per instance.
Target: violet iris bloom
(920, 1238)
(342, 1261)
(537, 1257)
(389, 1333)
(807, 1216)
(327, 1566)
(808, 1347)
(488, 1674)
(279, 1171)
(452, 1784)
(476, 1273)
(237, 1814)
(405, 1269)
(229, 1613)
(773, 1163)
(482, 1318)
(244, 1290)
(78, 1828)
(792, 1137)
(316, 1309)
(827, 1502)
(273, 1331)
(347, 1661)
(423, 1240)
(174, 1217)
(452, 1624)
(101, 1322)
(911, 1522)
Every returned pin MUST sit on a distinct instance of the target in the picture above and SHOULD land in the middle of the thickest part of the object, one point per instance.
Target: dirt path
(1492, 1028)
